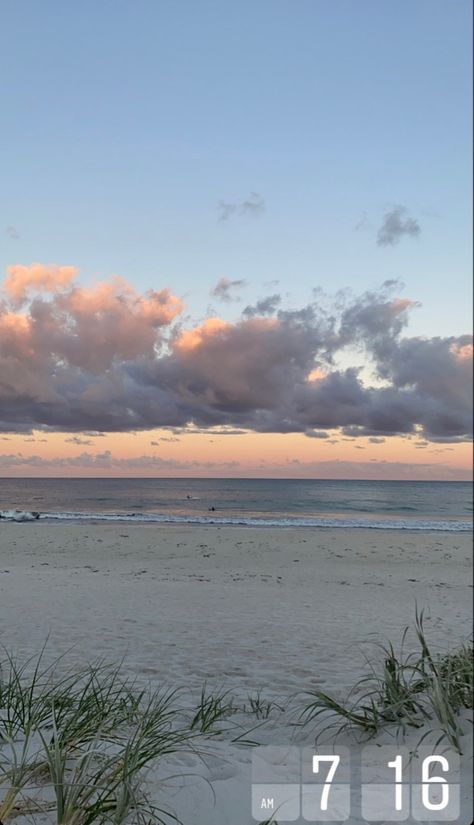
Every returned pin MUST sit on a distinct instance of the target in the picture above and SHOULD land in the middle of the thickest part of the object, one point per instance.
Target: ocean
(414, 505)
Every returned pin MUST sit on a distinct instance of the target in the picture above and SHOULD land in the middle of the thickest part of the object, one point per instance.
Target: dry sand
(279, 610)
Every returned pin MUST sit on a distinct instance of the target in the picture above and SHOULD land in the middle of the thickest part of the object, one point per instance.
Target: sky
(236, 238)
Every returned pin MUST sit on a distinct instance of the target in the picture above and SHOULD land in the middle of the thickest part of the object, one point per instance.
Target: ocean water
(416, 505)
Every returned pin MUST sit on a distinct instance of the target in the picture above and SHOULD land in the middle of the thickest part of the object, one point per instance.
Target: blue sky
(125, 124)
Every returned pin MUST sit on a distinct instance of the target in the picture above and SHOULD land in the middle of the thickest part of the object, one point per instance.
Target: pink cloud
(22, 280)
(78, 358)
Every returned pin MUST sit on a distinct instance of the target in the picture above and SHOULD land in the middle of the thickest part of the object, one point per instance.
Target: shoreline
(448, 524)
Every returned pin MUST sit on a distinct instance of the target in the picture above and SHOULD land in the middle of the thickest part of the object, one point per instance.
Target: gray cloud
(396, 224)
(363, 223)
(107, 461)
(103, 359)
(254, 205)
(12, 232)
(224, 288)
(212, 431)
(266, 306)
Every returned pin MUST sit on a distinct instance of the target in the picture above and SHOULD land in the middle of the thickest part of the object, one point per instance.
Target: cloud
(363, 223)
(103, 358)
(12, 232)
(396, 224)
(21, 280)
(224, 288)
(266, 306)
(254, 205)
(75, 439)
(107, 463)
(207, 431)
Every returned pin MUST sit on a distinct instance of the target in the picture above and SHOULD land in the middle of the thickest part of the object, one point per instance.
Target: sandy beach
(283, 611)
(252, 606)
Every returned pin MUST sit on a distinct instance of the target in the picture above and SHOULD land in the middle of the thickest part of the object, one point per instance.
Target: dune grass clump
(212, 709)
(213, 716)
(260, 707)
(77, 747)
(414, 690)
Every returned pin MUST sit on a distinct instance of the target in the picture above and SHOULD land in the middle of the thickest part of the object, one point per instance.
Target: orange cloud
(464, 352)
(15, 335)
(38, 277)
(214, 328)
(86, 326)
(118, 297)
(191, 339)
(316, 375)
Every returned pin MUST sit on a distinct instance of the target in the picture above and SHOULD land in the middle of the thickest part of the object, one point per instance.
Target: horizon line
(234, 478)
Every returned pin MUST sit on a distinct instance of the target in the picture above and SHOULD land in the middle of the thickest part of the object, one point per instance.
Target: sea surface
(415, 505)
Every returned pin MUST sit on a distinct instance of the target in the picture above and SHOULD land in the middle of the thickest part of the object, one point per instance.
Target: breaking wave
(454, 525)
(19, 515)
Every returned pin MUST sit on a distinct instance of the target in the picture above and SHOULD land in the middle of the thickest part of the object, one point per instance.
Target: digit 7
(334, 759)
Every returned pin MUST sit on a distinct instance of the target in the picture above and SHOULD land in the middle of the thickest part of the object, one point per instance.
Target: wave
(19, 515)
(444, 525)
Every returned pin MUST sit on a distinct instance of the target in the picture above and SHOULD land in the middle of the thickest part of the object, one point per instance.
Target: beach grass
(261, 708)
(212, 709)
(421, 689)
(78, 746)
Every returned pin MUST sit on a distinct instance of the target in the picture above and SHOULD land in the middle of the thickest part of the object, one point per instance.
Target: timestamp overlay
(381, 783)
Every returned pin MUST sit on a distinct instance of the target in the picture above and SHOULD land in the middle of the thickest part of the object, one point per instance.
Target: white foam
(19, 515)
(392, 523)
